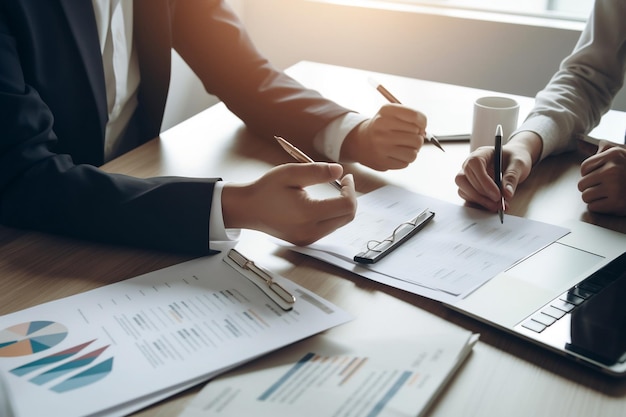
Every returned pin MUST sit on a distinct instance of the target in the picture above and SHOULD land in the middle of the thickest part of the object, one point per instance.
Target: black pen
(392, 99)
(497, 170)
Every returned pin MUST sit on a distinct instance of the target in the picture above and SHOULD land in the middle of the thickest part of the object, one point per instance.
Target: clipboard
(401, 234)
(262, 278)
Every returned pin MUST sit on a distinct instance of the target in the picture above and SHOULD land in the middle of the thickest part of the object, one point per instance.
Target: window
(558, 9)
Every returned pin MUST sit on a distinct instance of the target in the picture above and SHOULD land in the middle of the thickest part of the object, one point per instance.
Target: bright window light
(558, 9)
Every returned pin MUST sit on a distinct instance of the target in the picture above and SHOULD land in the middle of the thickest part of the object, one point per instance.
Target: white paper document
(117, 348)
(460, 249)
(321, 377)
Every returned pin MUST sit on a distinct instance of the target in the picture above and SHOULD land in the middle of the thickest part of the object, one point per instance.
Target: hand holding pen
(392, 99)
(278, 203)
(390, 139)
(300, 156)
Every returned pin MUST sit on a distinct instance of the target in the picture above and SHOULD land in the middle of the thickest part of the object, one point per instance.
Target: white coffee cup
(490, 112)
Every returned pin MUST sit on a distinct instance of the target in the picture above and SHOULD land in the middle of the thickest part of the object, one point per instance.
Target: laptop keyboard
(577, 295)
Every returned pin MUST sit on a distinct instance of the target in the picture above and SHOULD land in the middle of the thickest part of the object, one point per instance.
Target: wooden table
(503, 376)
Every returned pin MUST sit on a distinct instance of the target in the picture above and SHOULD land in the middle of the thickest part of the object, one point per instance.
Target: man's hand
(389, 140)
(603, 182)
(475, 179)
(278, 204)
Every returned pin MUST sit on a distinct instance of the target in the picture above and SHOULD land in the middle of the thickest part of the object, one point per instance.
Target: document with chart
(322, 377)
(460, 249)
(120, 347)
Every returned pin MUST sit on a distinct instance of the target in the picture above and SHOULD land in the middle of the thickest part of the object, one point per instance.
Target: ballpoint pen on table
(300, 156)
(497, 170)
(392, 99)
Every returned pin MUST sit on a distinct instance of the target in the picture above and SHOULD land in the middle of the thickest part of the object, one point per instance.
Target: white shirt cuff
(217, 230)
(329, 140)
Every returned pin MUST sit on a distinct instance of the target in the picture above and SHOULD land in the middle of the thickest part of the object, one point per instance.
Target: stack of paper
(322, 377)
(118, 348)
(459, 250)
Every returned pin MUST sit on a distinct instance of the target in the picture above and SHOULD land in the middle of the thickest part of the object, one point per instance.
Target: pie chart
(30, 337)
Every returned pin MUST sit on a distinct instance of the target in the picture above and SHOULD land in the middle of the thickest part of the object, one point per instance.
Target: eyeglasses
(378, 249)
(381, 245)
(263, 279)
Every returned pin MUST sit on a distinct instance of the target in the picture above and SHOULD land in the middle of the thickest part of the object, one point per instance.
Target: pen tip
(434, 141)
(499, 130)
(282, 142)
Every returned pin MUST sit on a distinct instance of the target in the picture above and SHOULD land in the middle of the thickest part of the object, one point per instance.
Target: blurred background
(510, 46)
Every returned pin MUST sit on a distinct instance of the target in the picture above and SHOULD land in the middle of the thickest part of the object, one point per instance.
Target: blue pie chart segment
(30, 337)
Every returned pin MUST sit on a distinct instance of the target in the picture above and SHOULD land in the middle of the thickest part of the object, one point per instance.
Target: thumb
(303, 175)
(335, 171)
(510, 180)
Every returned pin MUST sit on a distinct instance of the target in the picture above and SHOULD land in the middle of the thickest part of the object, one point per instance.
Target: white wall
(187, 95)
(512, 58)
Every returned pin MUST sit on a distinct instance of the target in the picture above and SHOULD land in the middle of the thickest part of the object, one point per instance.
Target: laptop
(569, 297)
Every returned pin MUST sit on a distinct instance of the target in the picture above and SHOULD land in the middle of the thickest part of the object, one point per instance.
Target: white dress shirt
(114, 19)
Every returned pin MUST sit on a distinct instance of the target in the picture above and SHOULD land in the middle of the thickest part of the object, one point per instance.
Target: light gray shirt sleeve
(577, 96)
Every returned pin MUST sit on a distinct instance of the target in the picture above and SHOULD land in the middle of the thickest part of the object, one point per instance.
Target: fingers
(412, 120)
(347, 186)
(605, 198)
(300, 176)
(511, 177)
(603, 154)
(475, 180)
(405, 127)
(278, 203)
(596, 169)
(476, 177)
(603, 181)
(317, 218)
(389, 140)
(594, 195)
(400, 156)
(303, 175)
(472, 195)
(592, 163)
(589, 180)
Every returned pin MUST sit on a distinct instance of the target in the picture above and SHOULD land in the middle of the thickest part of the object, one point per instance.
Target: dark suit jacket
(53, 116)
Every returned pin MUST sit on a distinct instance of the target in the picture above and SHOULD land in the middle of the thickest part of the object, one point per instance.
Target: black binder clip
(376, 250)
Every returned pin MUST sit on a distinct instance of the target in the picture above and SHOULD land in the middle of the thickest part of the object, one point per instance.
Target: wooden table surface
(503, 376)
